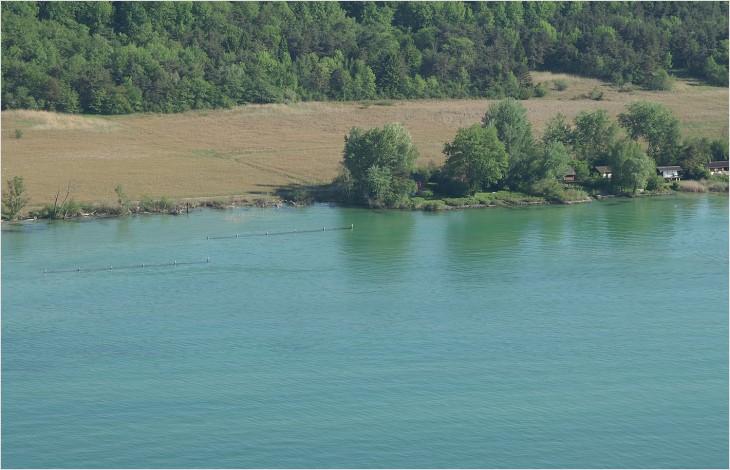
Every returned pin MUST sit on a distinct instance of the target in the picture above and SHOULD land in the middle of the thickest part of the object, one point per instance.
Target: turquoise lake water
(591, 335)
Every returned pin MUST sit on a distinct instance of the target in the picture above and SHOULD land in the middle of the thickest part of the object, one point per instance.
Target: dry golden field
(256, 149)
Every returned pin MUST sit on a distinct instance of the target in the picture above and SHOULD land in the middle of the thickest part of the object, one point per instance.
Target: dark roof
(603, 169)
(720, 164)
(669, 168)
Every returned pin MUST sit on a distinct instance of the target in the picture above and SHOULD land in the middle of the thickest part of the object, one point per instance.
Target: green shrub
(719, 177)
(540, 90)
(561, 84)
(655, 183)
(575, 194)
(461, 201)
(163, 204)
(595, 94)
(718, 185)
(301, 195)
(416, 202)
(18, 133)
(436, 205)
(660, 81)
(64, 211)
(626, 88)
(550, 189)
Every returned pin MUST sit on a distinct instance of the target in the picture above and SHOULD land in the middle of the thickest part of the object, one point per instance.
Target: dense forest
(124, 57)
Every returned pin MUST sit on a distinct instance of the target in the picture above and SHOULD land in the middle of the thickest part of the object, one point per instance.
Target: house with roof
(718, 167)
(569, 176)
(669, 173)
(604, 171)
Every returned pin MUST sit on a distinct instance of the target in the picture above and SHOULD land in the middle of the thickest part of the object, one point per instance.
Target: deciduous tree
(656, 124)
(476, 158)
(14, 199)
(380, 163)
(631, 167)
(509, 118)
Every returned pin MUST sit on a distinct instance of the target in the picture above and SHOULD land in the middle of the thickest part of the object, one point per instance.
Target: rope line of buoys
(290, 232)
(131, 266)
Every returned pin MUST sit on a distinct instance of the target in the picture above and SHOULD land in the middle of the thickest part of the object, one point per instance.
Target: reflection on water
(591, 335)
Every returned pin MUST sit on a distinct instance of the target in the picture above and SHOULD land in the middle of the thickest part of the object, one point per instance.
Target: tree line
(503, 153)
(124, 57)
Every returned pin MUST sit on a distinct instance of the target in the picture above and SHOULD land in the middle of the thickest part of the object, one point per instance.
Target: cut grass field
(252, 150)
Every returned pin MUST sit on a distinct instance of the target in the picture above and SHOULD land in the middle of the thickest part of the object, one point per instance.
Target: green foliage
(436, 205)
(301, 195)
(550, 189)
(461, 201)
(122, 199)
(719, 150)
(594, 136)
(14, 199)
(476, 158)
(69, 208)
(540, 90)
(18, 133)
(377, 166)
(715, 73)
(500, 198)
(660, 80)
(561, 84)
(554, 163)
(122, 57)
(655, 183)
(595, 94)
(558, 130)
(163, 204)
(695, 153)
(631, 166)
(657, 125)
(575, 195)
(509, 118)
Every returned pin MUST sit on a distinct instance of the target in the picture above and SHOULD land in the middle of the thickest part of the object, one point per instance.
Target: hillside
(256, 149)
(123, 57)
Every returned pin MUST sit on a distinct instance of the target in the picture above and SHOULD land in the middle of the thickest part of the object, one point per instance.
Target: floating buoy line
(290, 232)
(207, 261)
(129, 266)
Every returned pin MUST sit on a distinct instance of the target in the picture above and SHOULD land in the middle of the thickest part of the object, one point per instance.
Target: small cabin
(718, 167)
(569, 176)
(669, 173)
(604, 171)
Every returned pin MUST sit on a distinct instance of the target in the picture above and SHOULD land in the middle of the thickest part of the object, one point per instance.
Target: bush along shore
(423, 200)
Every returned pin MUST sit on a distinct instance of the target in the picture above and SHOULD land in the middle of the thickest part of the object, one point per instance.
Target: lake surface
(586, 336)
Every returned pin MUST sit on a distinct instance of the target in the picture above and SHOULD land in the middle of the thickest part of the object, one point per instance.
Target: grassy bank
(253, 151)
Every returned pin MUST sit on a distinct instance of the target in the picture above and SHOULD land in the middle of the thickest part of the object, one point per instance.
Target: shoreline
(195, 204)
